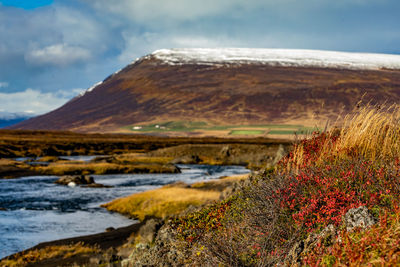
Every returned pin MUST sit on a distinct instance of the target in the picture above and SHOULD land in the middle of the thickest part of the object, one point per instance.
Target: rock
(2, 209)
(141, 246)
(71, 184)
(147, 232)
(225, 151)
(189, 159)
(108, 159)
(353, 219)
(110, 229)
(167, 250)
(77, 179)
(358, 218)
(328, 234)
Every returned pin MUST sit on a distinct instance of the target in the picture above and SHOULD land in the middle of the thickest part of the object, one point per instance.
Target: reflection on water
(37, 210)
(80, 158)
(36, 160)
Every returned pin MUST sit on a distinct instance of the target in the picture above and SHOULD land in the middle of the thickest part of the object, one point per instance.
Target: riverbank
(116, 244)
(163, 160)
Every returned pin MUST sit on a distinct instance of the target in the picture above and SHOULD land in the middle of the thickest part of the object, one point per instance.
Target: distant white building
(157, 126)
(137, 127)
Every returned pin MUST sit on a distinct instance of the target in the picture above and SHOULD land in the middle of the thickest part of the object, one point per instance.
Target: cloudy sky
(50, 50)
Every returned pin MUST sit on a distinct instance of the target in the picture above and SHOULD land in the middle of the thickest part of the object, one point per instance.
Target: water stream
(34, 209)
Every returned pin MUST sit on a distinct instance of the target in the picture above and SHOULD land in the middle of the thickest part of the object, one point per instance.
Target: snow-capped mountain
(279, 57)
(229, 86)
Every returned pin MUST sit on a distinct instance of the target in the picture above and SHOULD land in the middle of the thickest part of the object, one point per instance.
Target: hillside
(332, 201)
(229, 87)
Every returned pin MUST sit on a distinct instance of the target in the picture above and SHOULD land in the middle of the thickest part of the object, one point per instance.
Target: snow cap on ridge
(278, 57)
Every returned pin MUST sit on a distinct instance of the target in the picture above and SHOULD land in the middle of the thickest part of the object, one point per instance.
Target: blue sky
(26, 4)
(52, 50)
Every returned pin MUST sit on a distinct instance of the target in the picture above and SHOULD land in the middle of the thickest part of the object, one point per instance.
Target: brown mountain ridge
(152, 90)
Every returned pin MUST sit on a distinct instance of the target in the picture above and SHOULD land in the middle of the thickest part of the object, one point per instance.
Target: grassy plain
(206, 129)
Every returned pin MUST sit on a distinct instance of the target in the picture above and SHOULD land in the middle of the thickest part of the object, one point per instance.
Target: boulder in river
(83, 180)
(77, 179)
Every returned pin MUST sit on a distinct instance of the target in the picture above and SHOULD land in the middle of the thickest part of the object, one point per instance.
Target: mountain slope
(229, 86)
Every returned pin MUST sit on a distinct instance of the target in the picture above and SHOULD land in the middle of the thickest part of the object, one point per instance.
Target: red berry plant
(312, 187)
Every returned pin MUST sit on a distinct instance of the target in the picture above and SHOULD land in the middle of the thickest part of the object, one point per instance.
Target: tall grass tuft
(371, 132)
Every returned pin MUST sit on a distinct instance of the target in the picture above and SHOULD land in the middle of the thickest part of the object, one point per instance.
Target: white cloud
(148, 10)
(69, 93)
(152, 11)
(58, 54)
(3, 84)
(31, 101)
(11, 116)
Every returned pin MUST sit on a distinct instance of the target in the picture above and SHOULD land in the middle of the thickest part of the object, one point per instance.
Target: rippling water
(37, 210)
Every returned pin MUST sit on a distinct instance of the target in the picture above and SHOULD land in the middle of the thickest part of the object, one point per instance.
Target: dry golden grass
(172, 199)
(219, 184)
(140, 158)
(7, 162)
(37, 255)
(162, 202)
(72, 168)
(65, 168)
(372, 132)
(48, 159)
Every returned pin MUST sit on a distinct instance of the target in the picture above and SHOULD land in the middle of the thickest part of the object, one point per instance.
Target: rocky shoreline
(116, 245)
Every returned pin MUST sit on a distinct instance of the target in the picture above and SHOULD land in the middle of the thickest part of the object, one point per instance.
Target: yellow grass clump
(140, 158)
(33, 256)
(162, 202)
(219, 184)
(372, 132)
(172, 199)
(72, 168)
(65, 168)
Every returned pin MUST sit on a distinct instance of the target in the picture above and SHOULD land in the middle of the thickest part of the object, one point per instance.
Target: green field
(187, 126)
(246, 132)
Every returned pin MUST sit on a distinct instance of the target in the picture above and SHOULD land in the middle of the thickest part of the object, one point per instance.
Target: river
(35, 209)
